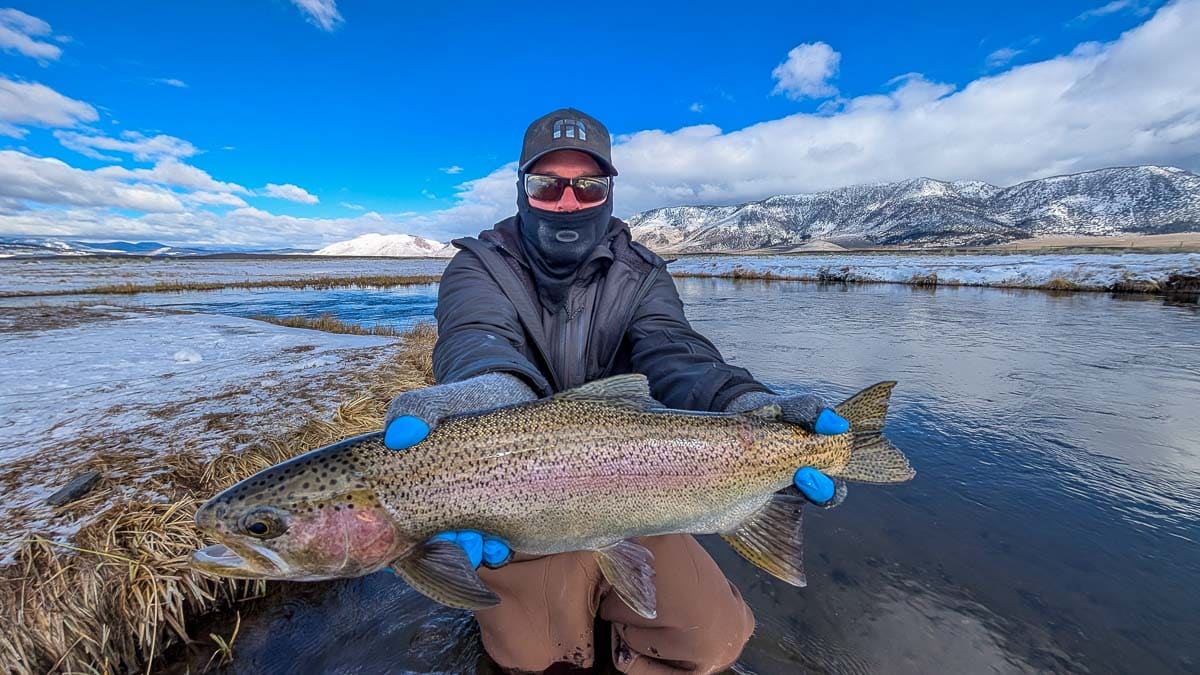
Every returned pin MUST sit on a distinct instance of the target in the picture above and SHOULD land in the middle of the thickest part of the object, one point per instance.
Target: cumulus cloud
(23, 103)
(142, 148)
(321, 13)
(807, 71)
(353, 207)
(51, 181)
(172, 172)
(19, 32)
(696, 107)
(171, 82)
(292, 193)
(452, 170)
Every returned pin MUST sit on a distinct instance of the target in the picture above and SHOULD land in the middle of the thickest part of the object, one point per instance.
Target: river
(1053, 523)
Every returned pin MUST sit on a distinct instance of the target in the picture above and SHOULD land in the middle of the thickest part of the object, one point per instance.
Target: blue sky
(378, 117)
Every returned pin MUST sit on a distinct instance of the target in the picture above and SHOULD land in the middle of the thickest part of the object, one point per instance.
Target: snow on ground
(54, 274)
(988, 270)
(118, 388)
(1093, 270)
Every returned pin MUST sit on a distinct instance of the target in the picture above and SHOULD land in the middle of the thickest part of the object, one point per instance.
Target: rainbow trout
(586, 469)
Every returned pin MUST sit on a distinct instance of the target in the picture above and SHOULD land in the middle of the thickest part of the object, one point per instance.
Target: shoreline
(117, 592)
(1173, 284)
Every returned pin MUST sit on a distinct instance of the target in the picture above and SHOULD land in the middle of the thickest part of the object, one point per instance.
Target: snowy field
(1098, 270)
(118, 388)
(56, 274)
(1093, 270)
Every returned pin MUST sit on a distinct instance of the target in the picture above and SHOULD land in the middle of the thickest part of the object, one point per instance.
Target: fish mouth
(247, 562)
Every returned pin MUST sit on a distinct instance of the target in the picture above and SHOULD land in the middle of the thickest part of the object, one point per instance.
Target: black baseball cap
(567, 129)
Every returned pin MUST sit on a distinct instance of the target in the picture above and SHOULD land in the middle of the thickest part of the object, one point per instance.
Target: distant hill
(923, 212)
(48, 246)
(389, 245)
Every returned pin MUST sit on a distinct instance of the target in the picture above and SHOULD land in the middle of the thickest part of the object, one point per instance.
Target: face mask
(557, 243)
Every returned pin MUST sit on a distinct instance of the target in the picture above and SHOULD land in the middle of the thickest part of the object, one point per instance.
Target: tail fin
(873, 459)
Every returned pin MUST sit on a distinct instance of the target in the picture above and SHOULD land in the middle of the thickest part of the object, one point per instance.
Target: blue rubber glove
(816, 486)
(403, 433)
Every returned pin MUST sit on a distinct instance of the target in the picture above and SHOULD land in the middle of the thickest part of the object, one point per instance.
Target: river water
(1053, 524)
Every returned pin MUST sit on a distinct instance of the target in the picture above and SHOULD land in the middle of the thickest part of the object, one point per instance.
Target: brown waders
(549, 606)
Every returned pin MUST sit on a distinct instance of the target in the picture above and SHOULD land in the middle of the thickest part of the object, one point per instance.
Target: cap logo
(570, 128)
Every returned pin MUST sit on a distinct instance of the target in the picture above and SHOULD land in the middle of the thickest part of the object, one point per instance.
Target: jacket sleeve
(478, 328)
(685, 370)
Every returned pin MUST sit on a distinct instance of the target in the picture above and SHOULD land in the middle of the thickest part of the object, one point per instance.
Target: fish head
(312, 517)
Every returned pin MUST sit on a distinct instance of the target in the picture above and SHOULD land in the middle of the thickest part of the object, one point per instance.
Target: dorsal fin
(626, 391)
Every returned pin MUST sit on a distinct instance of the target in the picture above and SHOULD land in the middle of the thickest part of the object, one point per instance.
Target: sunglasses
(550, 188)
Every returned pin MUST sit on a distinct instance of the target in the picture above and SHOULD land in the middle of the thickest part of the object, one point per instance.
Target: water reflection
(1052, 525)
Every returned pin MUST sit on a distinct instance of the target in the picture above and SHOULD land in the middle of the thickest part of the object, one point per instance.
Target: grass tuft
(328, 323)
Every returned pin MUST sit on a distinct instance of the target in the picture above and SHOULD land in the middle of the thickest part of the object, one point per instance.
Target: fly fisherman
(547, 300)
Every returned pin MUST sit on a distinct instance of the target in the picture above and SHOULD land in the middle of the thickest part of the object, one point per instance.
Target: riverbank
(1139, 272)
(169, 408)
(1122, 273)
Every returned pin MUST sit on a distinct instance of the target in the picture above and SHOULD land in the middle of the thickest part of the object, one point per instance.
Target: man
(551, 298)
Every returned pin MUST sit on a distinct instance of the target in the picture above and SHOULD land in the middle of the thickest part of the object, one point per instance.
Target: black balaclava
(557, 243)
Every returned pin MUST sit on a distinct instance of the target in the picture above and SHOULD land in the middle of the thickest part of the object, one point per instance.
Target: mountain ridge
(925, 212)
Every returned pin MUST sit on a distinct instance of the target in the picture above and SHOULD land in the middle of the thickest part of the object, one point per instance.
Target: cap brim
(604, 163)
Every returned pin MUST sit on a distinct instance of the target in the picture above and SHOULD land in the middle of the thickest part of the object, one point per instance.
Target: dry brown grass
(317, 283)
(121, 591)
(328, 323)
(918, 279)
(1057, 283)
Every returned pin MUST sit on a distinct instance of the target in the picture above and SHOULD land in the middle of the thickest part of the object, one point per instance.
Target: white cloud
(51, 181)
(143, 148)
(292, 193)
(1002, 57)
(213, 199)
(171, 82)
(19, 32)
(696, 107)
(1137, 7)
(427, 194)
(807, 71)
(24, 103)
(353, 207)
(321, 13)
(169, 171)
(452, 170)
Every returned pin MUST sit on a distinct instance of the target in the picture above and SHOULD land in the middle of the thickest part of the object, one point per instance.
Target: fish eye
(264, 523)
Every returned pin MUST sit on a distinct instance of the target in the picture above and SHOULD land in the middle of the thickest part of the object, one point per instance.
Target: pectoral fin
(441, 571)
(627, 566)
(772, 537)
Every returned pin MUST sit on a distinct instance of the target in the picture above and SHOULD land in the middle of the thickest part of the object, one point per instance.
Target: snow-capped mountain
(926, 212)
(389, 245)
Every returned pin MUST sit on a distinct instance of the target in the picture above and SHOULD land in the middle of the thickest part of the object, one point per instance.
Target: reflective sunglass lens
(544, 188)
(590, 190)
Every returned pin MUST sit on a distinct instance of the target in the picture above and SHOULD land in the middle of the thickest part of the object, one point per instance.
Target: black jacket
(625, 316)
